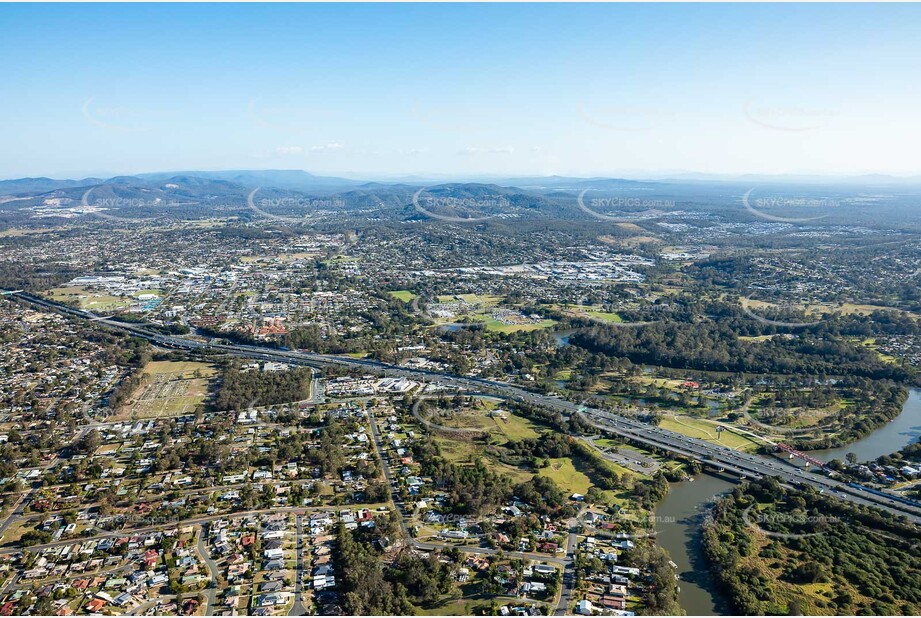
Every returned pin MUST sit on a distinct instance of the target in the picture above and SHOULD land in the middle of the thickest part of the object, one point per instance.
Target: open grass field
(168, 388)
(871, 343)
(499, 327)
(483, 299)
(154, 292)
(515, 428)
(460, 451)
(818, 309)
(88, 299)
(604, 316)
(404, 295)
(563, 472)
(703, 430)
(590, 311)
(503, 426)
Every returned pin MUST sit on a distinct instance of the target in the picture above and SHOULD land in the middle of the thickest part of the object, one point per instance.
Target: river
(891, 437)
(678, 519)
(679, 515)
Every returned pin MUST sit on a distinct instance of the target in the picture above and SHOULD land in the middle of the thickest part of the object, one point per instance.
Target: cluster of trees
(869, 573)
(310, 337)
(241, 389)
(472, 489)
(715, 346)
(426, 578)
(661, 596)
(35, 276)
(875, 403)
(364, 589)
(549, 445)
(545, 497)
(370, 588)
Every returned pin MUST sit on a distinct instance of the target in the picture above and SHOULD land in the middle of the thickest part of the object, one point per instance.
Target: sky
(384, 91)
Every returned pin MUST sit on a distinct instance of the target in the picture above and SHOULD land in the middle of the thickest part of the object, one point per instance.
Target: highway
(715, 456)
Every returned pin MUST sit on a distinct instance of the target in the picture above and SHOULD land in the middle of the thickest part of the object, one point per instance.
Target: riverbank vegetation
(781, 551)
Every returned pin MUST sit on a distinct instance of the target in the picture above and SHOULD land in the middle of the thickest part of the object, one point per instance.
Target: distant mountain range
(266, 193)
(299, 180)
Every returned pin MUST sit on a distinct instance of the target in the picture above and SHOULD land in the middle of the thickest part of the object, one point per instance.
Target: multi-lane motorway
(715, 456)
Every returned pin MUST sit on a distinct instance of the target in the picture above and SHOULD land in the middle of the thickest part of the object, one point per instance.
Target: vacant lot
(168, 389)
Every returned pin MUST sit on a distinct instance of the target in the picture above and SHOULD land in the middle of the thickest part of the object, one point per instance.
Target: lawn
(404, 295)
(756, 338)
(703, 430)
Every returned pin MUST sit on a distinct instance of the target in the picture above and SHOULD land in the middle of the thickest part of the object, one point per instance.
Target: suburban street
(297, 608)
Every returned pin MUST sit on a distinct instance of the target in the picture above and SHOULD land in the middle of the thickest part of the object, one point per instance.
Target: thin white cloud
(289, 150)
(475, 150)
(327, 147)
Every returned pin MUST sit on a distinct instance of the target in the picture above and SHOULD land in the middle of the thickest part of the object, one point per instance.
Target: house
(533, 588)
(272, 586)
(273, 565)
(585, 607)
(619, 603)
(270, 600)
(124, 599)
(94, 606)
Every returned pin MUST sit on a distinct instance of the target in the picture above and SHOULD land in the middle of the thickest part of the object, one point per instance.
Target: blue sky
(388, 90)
